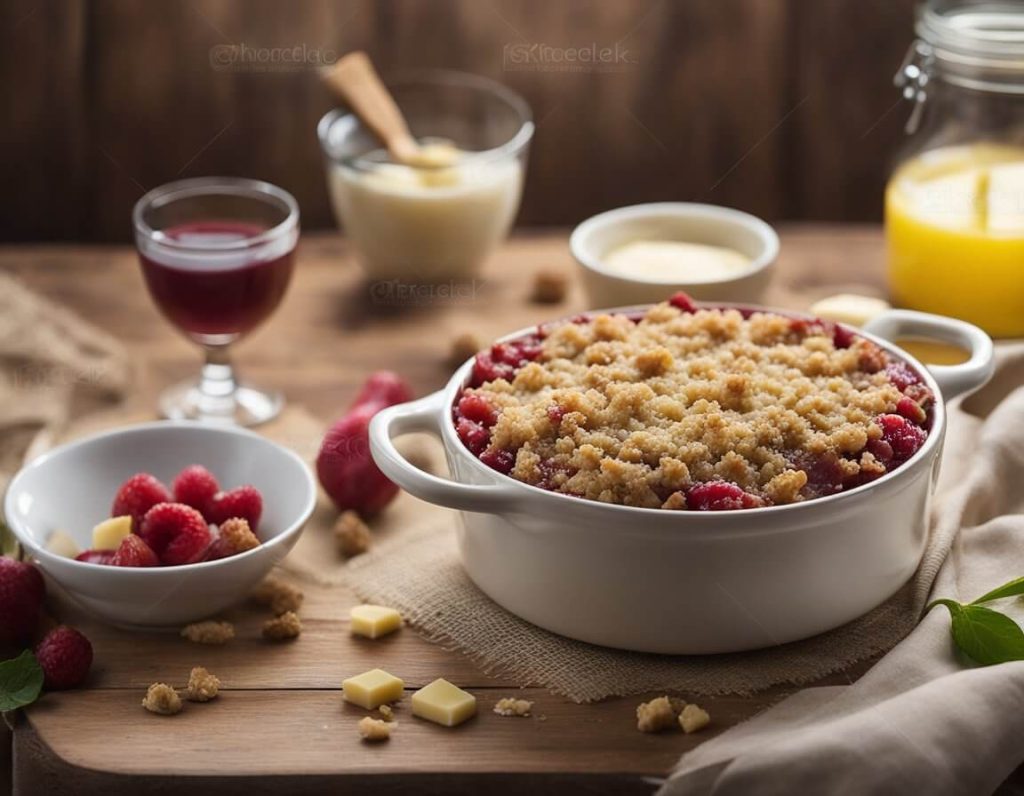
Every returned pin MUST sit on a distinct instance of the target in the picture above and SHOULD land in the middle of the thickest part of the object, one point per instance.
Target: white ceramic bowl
(687, 222)
(688, 582)
(71, 488)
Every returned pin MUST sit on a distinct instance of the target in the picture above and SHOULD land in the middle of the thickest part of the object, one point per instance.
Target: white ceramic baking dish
(663, 581)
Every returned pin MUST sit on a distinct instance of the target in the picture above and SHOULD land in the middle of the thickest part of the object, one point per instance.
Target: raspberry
(138, 495)
(473, 435)
(901, 376)
(195, 486)
(65, 655)
(880, 449)
(133, 552)
(21, 597)
(501, 460)
(177, 533)
(911, 409)
(681, 301)
(235, 537)
(903, 437)
(95, 556)
(720, 496)
(486, 369)
(477, 408)
(842, 337)
(244, 502)
(824, 473)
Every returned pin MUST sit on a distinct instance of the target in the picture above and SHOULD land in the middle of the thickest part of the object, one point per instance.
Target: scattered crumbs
(282, 628)
(352, 534)
(693, 718)
(513, 707)
(209, 632)
(372, 729)
(162, 699)
(656, 715)
(235, 536)
(202, 685)
(463, 347)
(278, 595)
(386, 712)
(549, 287)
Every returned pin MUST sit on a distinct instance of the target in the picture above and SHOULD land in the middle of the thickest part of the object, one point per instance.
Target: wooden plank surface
(281, 721)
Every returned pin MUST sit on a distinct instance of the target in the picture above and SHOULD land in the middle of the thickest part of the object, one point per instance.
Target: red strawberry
(65, 655)
(133, 552)
(177, 533)
(384, 387)
(244, 502)
(95, 556)
(21, 597)
(138, 495)
(235, 536)
(195, 486)
(345, 468)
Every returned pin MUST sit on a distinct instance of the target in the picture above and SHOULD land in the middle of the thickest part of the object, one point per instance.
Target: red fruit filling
(683, 302)
(903, 436)
(720, 496)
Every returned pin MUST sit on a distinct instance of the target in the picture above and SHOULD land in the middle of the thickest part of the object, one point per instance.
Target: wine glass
(217, 255)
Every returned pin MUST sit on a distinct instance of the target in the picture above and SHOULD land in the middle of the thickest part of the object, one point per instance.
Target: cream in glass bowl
(438, 219)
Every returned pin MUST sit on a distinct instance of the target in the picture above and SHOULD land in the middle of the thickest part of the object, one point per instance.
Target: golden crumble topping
(202, 685)
(657, 715)
(278, 595)
(510, 706)
(692, 408)
(282, 628)
(209, 632)
(693, 718)
(162, 699)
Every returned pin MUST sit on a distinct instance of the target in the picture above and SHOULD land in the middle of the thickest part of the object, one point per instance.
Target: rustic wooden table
(281, 725)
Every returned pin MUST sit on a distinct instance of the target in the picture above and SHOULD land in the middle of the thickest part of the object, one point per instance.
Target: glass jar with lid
(954, 205)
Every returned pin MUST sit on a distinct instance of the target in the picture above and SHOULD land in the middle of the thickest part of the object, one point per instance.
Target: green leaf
(983, 635)
(21, 680)
(8, 542)
(1011, 589)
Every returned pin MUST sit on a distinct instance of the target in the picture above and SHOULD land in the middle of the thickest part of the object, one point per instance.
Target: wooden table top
(281, 724)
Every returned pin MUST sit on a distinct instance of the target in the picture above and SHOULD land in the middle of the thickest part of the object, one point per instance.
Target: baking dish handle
(953, 380)
(427, 414)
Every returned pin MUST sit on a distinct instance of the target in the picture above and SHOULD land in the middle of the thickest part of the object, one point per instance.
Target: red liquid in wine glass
(209, 298)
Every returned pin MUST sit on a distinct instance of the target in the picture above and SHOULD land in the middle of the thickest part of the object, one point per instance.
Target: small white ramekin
(687, 222)
(689, 582)
(71, 488)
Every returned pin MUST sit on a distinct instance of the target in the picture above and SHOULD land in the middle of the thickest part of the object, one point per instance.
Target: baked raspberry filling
(684, 408)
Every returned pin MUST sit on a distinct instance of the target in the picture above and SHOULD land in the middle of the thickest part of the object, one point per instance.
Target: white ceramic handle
(954, 380)
(427, 414)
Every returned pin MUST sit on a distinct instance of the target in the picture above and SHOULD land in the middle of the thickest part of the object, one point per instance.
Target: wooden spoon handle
(356, 82)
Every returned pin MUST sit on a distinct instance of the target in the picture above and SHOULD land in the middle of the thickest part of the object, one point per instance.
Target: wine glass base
(246, 406)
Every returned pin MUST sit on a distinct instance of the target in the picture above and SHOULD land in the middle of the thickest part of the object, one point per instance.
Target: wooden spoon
(354, 80)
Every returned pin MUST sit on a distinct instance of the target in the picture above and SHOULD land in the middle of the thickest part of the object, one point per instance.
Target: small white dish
(686, 222)
(71, 488)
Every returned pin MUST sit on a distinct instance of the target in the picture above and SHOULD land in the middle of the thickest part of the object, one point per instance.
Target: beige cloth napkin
(922, 720)
(53, 367)
(416, 569)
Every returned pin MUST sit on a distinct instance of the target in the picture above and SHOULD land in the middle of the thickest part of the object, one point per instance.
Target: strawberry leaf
(21, 681)
(1011, 589)
(983, 635)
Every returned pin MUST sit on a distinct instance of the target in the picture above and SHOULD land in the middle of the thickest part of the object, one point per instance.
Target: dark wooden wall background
(782, 107)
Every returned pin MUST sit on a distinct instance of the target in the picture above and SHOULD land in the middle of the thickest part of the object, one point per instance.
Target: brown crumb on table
(549, 287)
(209, 632)
(463, 347)
(352, 534)
(236, 536)
(656, 715)
(278, 595)
(513, 707)
(372, 729)
(284, 627)
(202, 685)
(162, 699)
(693, 718)
(386, 712)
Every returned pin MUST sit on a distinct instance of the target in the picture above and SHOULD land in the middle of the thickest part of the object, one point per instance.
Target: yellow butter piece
(109, 534)
(61, 544)
(443, 703)
(372, 688)
(374, 621)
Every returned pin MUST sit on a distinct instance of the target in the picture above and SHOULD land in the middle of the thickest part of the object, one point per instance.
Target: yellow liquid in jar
(954, 222)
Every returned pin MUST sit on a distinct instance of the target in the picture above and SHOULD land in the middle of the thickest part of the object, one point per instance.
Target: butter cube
(443, 703)
(61, 544)
(109, 534)
(374, 621)
(372, 688)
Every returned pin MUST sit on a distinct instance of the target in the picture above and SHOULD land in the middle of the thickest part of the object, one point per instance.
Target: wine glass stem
(217, 382)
